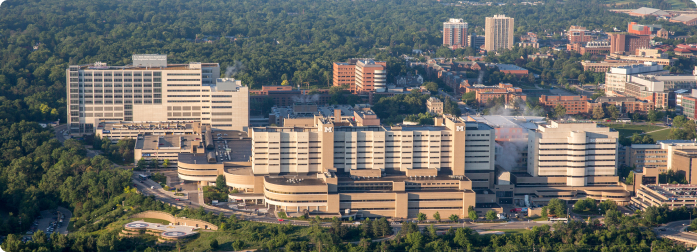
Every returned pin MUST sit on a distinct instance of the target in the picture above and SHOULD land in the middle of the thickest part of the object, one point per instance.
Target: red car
(177, 199)
(280, 219)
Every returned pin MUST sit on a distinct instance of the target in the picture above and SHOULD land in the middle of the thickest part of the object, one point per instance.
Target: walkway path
(666, 128)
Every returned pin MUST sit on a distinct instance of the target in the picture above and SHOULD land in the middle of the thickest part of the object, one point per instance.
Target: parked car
(280, 219)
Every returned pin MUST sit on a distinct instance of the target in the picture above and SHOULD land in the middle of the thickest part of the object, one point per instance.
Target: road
(675, 231)
(58, 131)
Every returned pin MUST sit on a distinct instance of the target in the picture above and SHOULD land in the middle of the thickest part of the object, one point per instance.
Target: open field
(660, 135)
(627, 130)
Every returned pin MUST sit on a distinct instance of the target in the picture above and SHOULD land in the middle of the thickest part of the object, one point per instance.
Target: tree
(431, 86)
(214, 244)
(545, 209)
(154, 163)
(583, 205)
(491, 215)
(630, 178)
(141, 164)
(469, 97)
(598, 113)
(613, 111)
(653, 115)
(693, 224)
(454, 218)
(559, 111)
(472, 214)
(165, 163)
(421, 217)
(436, 216)
(220, 183)
(557, 207)
(285, 83)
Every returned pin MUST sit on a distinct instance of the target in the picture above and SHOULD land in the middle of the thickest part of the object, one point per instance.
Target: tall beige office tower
(498, 33)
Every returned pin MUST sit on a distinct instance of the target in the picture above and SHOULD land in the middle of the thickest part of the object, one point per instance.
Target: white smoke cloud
(520, 109)
(510, 154)
(236, 67)
(306, 98)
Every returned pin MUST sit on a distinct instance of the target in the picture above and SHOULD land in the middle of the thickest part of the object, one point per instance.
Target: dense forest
(267, 41)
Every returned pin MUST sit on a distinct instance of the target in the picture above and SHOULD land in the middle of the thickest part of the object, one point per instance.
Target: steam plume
(236, 67)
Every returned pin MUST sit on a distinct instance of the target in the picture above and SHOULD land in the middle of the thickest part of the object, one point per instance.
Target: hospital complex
(344, 162)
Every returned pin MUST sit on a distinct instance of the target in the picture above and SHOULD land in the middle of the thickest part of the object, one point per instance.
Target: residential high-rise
(455, 33)
(361, 75)
(621, 43)
(498, 32)
(153, 90)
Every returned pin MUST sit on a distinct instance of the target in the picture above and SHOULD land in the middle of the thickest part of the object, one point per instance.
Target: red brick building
(486, 93)
(621, 43)
(574, 104)
(361, 75)
(579, 34)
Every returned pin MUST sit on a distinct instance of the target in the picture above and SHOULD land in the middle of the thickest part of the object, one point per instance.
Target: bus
(142, 177)
(559, 219)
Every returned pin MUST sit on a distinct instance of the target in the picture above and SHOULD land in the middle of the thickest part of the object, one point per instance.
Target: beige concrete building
(434, 106)
(674, 196)
(152, 90)
(580, 152)
(572, 160)
(498, 32)
(616, 78)
(338, 168)
(120, 130)
(167, 147)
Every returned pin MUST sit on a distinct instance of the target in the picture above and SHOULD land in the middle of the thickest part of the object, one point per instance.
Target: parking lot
(50, 222)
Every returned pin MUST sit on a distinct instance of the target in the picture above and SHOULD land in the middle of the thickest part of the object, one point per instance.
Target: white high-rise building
(152, 90)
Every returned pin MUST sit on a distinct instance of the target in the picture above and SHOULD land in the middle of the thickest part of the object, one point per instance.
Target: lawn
(660, 135)
(627, 130)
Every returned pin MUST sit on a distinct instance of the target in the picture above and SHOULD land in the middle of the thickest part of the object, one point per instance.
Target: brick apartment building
(574, 104)
(455, 33)
(361, 75)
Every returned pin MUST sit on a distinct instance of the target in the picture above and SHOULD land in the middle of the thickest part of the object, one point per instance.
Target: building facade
(498, 32)
(434, 106)
(574, 104)
(338, 168)
(578, 153)
(361, 75)
(579, 34)
(153, 90)
(455, 33)
(628, 43)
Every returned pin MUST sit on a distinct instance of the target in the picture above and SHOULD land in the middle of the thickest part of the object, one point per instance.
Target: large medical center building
(343, 163)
